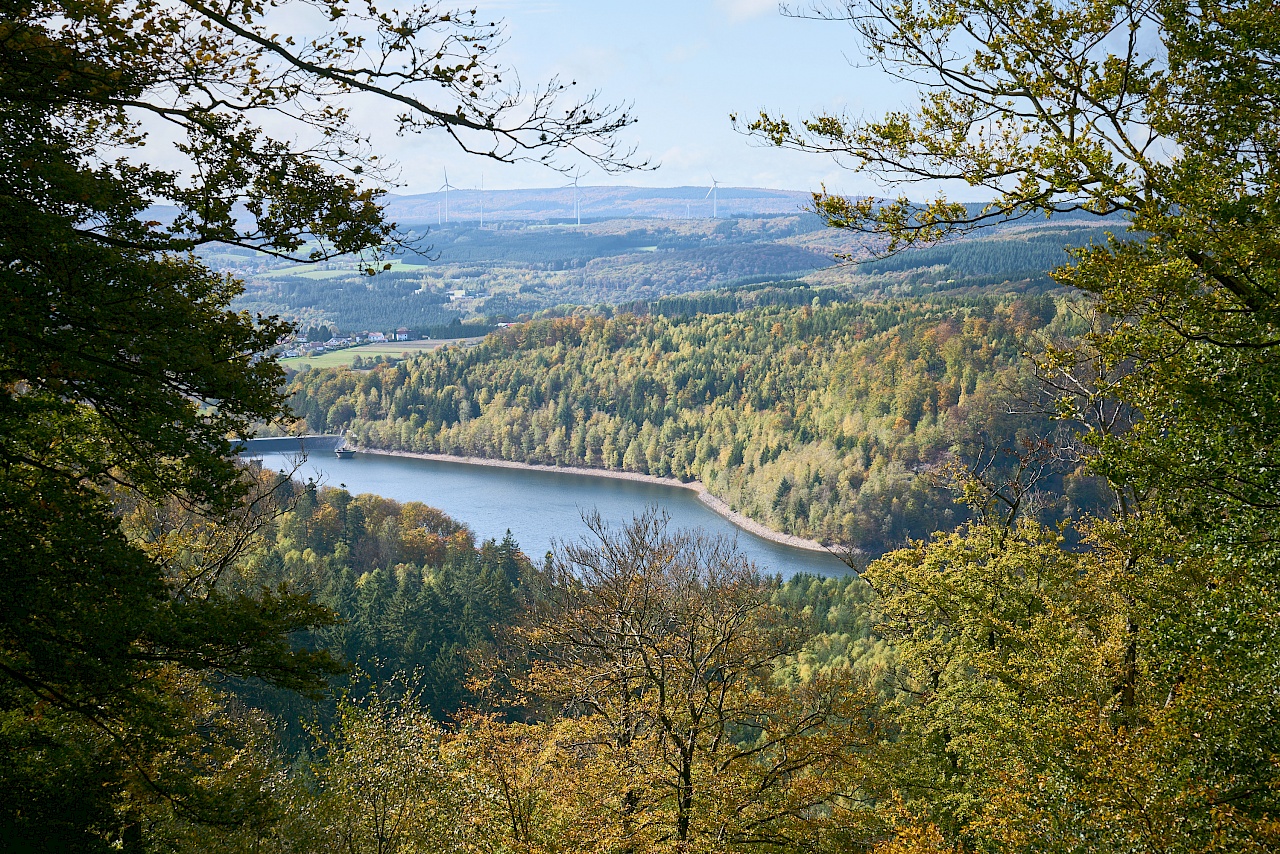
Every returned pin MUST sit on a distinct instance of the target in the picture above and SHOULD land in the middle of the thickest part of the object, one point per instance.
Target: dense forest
(1034, 252)
(352, 303)
(419, 599)
(820, 421)
(447, 718)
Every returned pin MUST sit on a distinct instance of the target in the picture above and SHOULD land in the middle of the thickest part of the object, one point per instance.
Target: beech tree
(662, 646)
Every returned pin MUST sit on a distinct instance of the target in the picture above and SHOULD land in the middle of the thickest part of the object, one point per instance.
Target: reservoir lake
(538, 506)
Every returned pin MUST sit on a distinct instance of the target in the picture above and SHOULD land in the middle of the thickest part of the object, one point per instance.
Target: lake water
(537, 506)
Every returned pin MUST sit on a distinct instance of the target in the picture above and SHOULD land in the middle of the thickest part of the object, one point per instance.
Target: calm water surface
(538, 506)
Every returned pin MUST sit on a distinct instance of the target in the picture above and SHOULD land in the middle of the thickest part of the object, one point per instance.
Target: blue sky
(685, 65)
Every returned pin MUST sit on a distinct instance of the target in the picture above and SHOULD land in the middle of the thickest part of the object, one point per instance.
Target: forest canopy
(1164, 111)
(827, 422)
(125, 371)
(1082, 657)
(1103, 685)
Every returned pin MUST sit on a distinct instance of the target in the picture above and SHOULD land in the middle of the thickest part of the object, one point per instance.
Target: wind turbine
(482, 200)
(577, 211)
(446, 187)
(714, 195)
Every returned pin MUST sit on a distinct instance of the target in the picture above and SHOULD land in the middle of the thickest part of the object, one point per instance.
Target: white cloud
(742, 10)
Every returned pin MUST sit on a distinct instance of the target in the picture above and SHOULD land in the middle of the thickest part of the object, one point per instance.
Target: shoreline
(716, 505)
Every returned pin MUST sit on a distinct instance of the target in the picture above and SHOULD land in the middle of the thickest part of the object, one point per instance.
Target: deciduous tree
(122, 369)
(1164, 113)
(663, 645)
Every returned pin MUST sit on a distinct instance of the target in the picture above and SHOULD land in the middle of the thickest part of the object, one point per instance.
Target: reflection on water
(538, 506)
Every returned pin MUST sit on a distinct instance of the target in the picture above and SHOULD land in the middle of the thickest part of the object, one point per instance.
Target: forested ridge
(383, 303)
(820, 421)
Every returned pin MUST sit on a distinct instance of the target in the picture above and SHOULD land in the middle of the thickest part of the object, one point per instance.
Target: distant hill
(644, 249)
(594, 203)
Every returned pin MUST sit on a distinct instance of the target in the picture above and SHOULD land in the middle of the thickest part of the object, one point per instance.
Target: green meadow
(392, 349)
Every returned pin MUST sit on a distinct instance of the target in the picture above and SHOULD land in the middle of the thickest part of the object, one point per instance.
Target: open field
(394, 349)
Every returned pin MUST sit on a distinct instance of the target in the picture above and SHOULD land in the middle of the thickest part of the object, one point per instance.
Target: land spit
(718, 506)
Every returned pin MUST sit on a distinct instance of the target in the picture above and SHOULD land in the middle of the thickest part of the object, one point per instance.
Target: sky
(684, 66)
